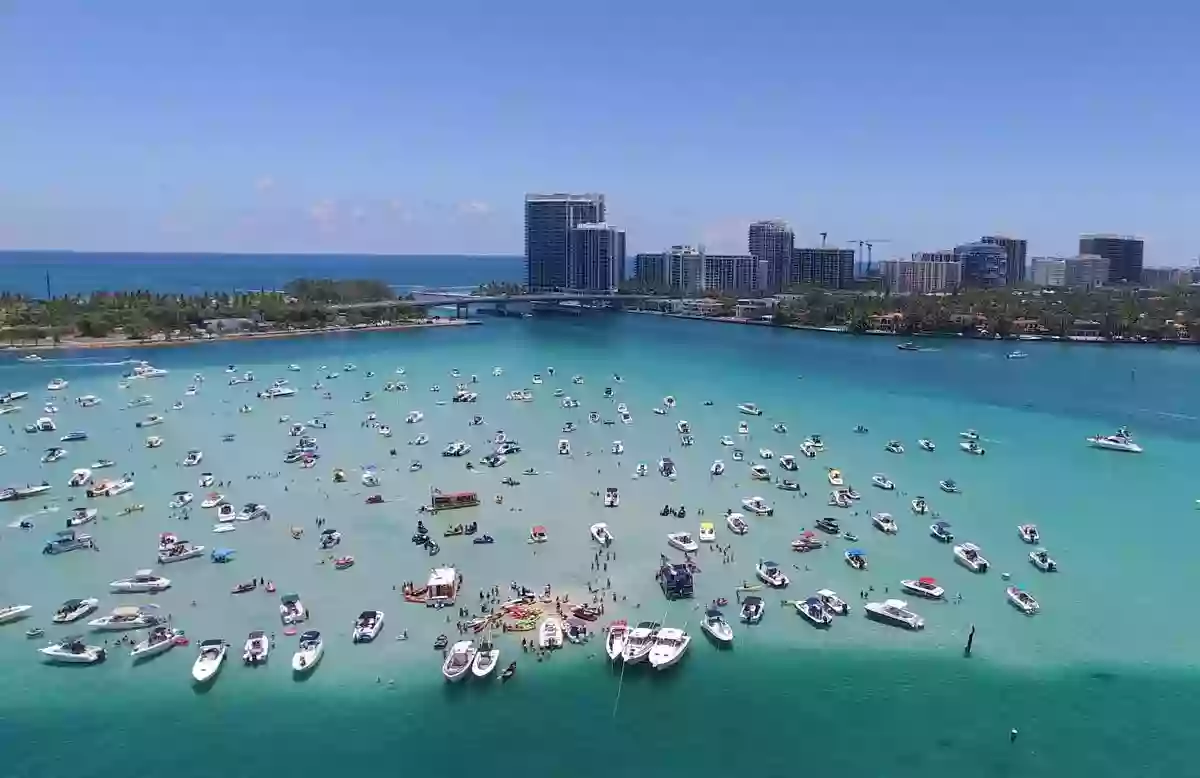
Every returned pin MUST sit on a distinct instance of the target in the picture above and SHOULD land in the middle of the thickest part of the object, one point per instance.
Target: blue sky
(412, 127)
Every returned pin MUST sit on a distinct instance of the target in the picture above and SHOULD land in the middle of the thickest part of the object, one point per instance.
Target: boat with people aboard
(601, 534)
(612, 497)
(126, 617)
(737, 523)
(923, 587)
(856, 558)
(666, 468)
(614, 639)
(839, 499)
(180, 551)
(940, 531)
(67, 540)
(971, 557)
(670, 644)
(885, 523)
(180, 499)
(829, 525)
(141, 582)
(758, 506)
(367, 626)
(708, 533)
(894, 447)
(949, 486)
(291, 609)
(158, 640)
(881, 481)
(537, 534)
(716, 627)
(834, 604)
(753, 609)
(11, 613)
(639, 642)
(72, 650)
(486, 659)
(251, 511)
(550, 632)
(919, 506)
(257, 648)
(1121, 440)
(308, 652)
(74, 610)
(926, 444)
(969, 434)
(771, 574)
(79, 477)
(81, 516)
(717, 467)
(1029, 533)
(193, 458)
(814, 611)
(564, 447)
(835, 477)
(788, 462)
(973, 448)
(1041, 559)
(683, 541)
(760, 473)
(894, 613)
(750, 409)
(210, 660)
(1022, 600)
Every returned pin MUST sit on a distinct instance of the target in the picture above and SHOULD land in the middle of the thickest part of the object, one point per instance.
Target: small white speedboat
(1022, 600)
(212, 500)
(758, 506)
(834, 604)
(125, 618)
(760, 473)
(74, 610)
(813, 609)
(926, 444)
(160, 640)
(894, 613)
(973, 448)
(881, 481)
(969, 556)
(180, 499)
(74, 651)
(485, 660)
(141, 582)
(193, 458)
(737, 524)
(309, 652)
(291, 609)
(209, 662)
(550, 633)
(638, 642)
(919, 506)
(368, 626)
(257, 648)
(80, 476)
(682, 541)
(601, 534)
(11, 613)
(718, 467)
(226, 512)
(670, 644)
(923, 587)
(81, 516)
(1029, 533)
(1042, 560)
(458, 661)
(614, 640)
(771, 574)
(885, 523)
(716, 627)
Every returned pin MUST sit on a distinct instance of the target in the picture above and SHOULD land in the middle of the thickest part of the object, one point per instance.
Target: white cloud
(474, 208)
(324, 214)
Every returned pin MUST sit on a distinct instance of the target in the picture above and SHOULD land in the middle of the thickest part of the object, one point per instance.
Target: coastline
(110, 342)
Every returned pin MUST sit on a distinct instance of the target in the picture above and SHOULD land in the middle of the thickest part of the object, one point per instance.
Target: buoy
(290, 631)
(1012, 736)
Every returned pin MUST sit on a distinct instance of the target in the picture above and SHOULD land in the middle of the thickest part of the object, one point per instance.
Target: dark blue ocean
(25, 272)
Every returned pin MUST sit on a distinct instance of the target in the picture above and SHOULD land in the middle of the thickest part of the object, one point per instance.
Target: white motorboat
(124, 618)
(940, 531)
(771, 574)
(969, 435)
(193, 458)
(11, 613)
(750, 409)
(80, 476)
(1029, 533)
(160, 640)
(419, 440)
(895, 613)
(682, 427)
(212, 500)
(969, 556)
(639, 642)
(550, 632)
(788, 462)
(766, 453)
(682, 541)
(81, 516)
(885, 523)
(74, 610)
(919, 506)
(141, 582)
(53, 455)
(614, 639)
(668, 402)
(57, 385)
(226, 512)
(667, 469)
(209, 662)
(74, 651)
(101, 464)
(458, 661)
(894, 447)
(726, 440)
(206, 480)
(716, 627)
(743, 428)
(291, 609)
(601, 534)
(856, 558)
(881, 481)
(564, 447)
(485, 660)
(618, 447)
(536, 379)
(949, 486)
(1121, 440)
(385, 431)
(760, 473)
(834, 604)
(154, 441)
(923, 587)
(179, 552)
(839, 499)
(758, 506)
(813, 609)
(309, 652)
(152, 420)
(612, 497)
(708, 533)
(497, 371)
(737, 524)
(718, 467)
(118, 487)
(670, 644)
(44, 424)
(926, 444)
(626, 418)
(257, 648)
(780, 427)
(835, 477)
(1042, 560)
(973, 448)
(367, 626)
(641, 470)
(251, 511)
(1022, 600)
(622, 408)
(180, 499)
(753, 609)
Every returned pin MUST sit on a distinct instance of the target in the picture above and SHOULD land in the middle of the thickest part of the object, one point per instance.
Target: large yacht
(670, 644)
(124, 618)
(895, 613)
(142, 581)
(1121, 440)
(73, 650)
(639, 642)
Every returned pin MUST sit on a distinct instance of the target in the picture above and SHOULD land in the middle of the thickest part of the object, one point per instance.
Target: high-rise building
(1015, 250)
(1163, 277)
(1087, 270)
(927, 272)
(772, 242)
(829, 268)
(548, 222)
(597, 258)
(1048, 271)
(650, 272)
(1124, 255)
(733, 273)
(685, 270)
(984, 265)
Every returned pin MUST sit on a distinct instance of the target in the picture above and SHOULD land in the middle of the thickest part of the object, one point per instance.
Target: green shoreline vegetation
(138, 315)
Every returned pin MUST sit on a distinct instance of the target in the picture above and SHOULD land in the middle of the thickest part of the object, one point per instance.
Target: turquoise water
(1101, 682)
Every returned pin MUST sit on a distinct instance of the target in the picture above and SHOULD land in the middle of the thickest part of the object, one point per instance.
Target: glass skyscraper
(984, 265)
(549, 219)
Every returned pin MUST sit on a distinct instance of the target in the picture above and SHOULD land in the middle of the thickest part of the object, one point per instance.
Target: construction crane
(824, 235)
(869, 243)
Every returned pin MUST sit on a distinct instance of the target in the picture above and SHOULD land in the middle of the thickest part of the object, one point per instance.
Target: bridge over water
(462, 302)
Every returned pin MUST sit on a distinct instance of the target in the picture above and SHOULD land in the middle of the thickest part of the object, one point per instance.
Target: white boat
(485, 660)
(1121, 440)
(497, 371)
(750, 409)
(251, 511)
(142, 582)
(53, 455)
(667, 469)
(154, 441)
(119, 487)
(940, 531)
(839, 499)
(618, 447)
(226, 512)
(743, 428)
(276, 392)
(44, 424)
(458, 661)
(780, 427)
(670, 644)
(726, 440)
(614, 640)
(969, 435)
(150, 421)
(385, 431)
(74, 610)
(626, 418)
(973, 448)
(309, 652)
(716, 627)
(550, 632)
(11, 613)
(160, 640)
(1042, 560)
(968, 555)
(814, 442)
(193, 458)
(180, 552)
(622, 408)
(291, 609)
(639, 642)
(57, 385)
(813, 609)
(80, 476)
(835, 477)
(771, 574)
(708, 533)
(74, 651)
(834, 604)
(1022, 600)
(926, 444)
(564, 447)
(949, 486)
(367, 626)
(641, 470)
(126, 617)
(881, 481)
(718, 467)
(419, 440)
(414, 417)
(612, 498)
(180, 499)
(760, 473)
(81, 516)
(885, 523)
(601, 534)
(766, 453)
(206, 480)
(257, 648)
(294, 368)
(1029, 533)
(668, 402)
(737, 524)
(919, 506)
(208, 663)
(758, 506)
(923, 587)
(788, 462)
(753, 609)
(894, 447)
(682, 541)
(895, 613)
(212, 500)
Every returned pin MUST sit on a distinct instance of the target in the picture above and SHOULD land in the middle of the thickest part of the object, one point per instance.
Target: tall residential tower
(1124, 255)
(549, 219)
(771, 242)
(597, 258)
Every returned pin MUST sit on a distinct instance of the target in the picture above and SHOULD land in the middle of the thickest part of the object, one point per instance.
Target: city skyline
(395, 130)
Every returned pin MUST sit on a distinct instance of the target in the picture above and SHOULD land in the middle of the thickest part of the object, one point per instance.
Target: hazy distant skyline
(403, 128)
